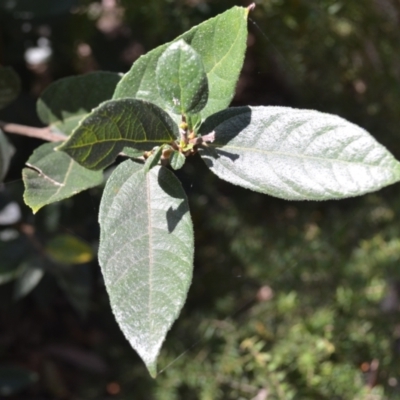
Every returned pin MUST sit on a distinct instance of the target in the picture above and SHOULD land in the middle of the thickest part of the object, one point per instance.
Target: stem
(38, 133)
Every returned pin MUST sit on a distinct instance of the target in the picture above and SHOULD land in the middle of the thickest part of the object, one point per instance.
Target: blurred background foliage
(290, 300)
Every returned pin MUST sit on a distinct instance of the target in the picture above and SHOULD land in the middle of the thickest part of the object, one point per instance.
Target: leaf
(115, 124)
(69, 249)
(67, 101)
(132, 153)
(26, 9)
(221, 44)
(53, 176)
(10, 214)
(29, 278)
(10, 86)
(296, 154)
(181, 79)
(6, 152)
(146, 253)
(15, 379)
(177, 160)
(153, 160)
(76, 281)
(13, 249)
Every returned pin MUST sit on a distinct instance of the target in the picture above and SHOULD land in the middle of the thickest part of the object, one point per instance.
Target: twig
(38, 133)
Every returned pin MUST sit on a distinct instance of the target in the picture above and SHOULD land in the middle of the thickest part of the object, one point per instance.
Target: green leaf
(14, 379)
(146, 253)
(76, 281)
(181, 79)
(132, 153)
(10, 86)
(67, 101)
(153, 160)
(26, 9)
(69, 249)
(54, 176)
(115, 124)
(296, 154)
(177, 160)
(28, 279)
(221, 44)
(6, 152)
(13, 249)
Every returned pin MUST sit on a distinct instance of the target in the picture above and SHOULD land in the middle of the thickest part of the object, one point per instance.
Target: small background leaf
(65, 102)
(6, 152)
(13, 249)
(29, 278)
(221, 44)
(146, 253)
(296, 154)
(10, 86)
(76, 282)
(55, 176)
(113, 126)
(153, 160)
(69, 249)
(181, 79)
(15, 379)
(177, 160)
(38, 9)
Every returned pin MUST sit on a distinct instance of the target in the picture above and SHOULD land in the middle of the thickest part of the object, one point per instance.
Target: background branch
(38, 133)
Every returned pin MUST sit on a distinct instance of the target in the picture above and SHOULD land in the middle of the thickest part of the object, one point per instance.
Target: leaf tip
(152, 368)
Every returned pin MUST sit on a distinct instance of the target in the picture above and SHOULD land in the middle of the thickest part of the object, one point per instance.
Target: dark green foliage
(296, 299)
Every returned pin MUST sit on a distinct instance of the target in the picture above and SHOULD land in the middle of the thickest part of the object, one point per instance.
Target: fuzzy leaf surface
(10, 86)
(145, 253)
(117, 124)
(296, 154)
(54, 176)
(181, 79)
(65, 102)
(221, 44)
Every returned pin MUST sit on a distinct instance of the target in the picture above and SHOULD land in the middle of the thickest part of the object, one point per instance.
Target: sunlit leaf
(181, 79)
(54, 176)
(146, 253)
(296, 154)
(177, 160)
(117, 124)
(221, 44)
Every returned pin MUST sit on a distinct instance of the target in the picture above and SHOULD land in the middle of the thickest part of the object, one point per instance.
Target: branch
(38, 133)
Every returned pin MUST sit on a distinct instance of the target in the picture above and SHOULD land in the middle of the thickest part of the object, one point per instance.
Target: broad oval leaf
(116, 124)
(53, 176)
(10, 86)
(6, 152)
(67, 101)
(146, 253)
(221, 44)
(296, 154)
(181, 79)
